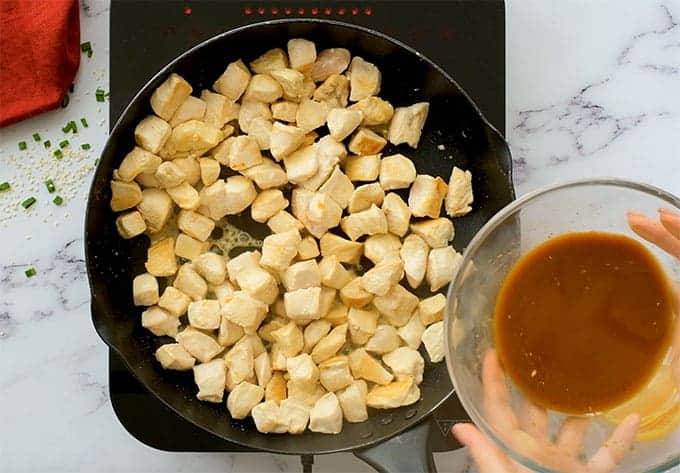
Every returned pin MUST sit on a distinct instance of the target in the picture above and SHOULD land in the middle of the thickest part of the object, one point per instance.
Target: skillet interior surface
(454, 123)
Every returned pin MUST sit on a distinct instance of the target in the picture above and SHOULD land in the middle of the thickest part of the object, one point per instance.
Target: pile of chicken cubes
(296, 334)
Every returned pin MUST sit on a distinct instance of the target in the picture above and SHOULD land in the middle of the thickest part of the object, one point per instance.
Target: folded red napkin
(39, 55)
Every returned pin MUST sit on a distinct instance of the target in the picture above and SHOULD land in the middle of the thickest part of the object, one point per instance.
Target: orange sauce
(583, 321)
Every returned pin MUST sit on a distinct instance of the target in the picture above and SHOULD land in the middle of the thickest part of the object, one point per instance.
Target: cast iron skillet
(454, 121)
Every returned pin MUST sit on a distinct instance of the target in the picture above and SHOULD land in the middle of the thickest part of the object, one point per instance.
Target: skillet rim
(168, 68)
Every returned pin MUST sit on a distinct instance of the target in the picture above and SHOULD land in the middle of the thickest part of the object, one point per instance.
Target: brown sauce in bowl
(583, 321)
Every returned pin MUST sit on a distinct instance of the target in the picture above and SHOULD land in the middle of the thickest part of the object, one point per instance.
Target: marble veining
(600, 94)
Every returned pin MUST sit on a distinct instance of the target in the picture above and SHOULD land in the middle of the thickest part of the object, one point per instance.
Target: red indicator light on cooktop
(301, 11)
(368, 11)
(187, 10)
(314, 11)
(248, 11)
(275, 11)
(261, 11)
(341, 11)
(327, 11)
(355, 11)
(287, 11)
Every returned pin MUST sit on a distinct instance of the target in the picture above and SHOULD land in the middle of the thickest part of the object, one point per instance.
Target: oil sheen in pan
(233, 238)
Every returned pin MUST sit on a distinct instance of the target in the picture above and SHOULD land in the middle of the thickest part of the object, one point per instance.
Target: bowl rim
(471, 249)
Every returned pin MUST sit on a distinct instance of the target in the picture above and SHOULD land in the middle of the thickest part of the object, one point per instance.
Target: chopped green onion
(30, 272)
(100, 98)
(86, 146)
(22, 145)
(50, 186)
(74, 127)
(84, 122)
(99, 91)
(4, 186)
(96, 161)
(58, 200)
(86, 47)
(36, 137)
(63, 144)
(58, 154)
(47, 143)
(66, 127)
(28, 202)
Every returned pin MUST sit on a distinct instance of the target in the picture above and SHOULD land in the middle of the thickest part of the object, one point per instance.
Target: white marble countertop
(593, 88)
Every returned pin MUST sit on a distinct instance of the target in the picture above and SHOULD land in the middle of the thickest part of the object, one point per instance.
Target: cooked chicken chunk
(205, 315)
(353, 294)
(219, 109)
(376, 111)
(436, 232)
(459, 197)
(342, 122)
(195, 225)
(334, 91)
(174, 301)
(431, 309)
(414, 253)
(433, 339)
(259, 283)
(291, 81)
(335, 374)
(160, 258)
(172, 356)
(353, 401)
(210, 170)
(403, 392)
(270, 61)
(333, 273)
(383, 276)
(159, 322)
(362, 168)
(302, 369)
(303, 304)
(412, 332)
(301, 164)
(426, 196)
(384, 340)
(267, 204)
(243, 398)
(279, 249)
(263, 88)
(268, 418)
(201, 346)
(362, 324)
(407, 124)
(366, 142)
(248, 259)
(326, 415)
(367, 222)
(365, 79)
(267, 174)
(442, 265)
(366, 367)
(250, 111)
(365, 195)
(381, 246)
(145, 289)
(396, 172)
(283, 221)
(244, 310)
(192, 108)
(301, 276)
(130, 224)
(284, 111)
(346, 251)
(328, 62)
(211, 378)
(339, 187)
(397, 305)
(167, 98)
(233, 81)
(276, 389)
(330, 344)
(296, 415)
(314, 332)
(397, 213)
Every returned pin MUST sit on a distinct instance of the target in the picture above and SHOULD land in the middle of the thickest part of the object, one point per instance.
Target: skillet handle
(407, 452)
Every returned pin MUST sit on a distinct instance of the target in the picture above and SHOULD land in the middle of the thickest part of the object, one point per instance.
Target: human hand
(527, 433)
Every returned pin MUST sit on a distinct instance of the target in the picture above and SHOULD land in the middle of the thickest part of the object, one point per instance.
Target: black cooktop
(465, 37)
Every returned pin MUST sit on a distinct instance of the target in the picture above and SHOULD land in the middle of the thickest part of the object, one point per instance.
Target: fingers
(670, 221)
(496, 397)
(570, 437)
(654, 232)
(616, 446)
(488, 457)
(533, 420)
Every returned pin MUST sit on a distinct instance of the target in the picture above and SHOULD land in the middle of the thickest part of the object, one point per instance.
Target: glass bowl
(592, 205)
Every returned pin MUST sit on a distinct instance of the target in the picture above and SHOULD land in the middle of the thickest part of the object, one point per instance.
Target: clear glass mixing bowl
(593, 205)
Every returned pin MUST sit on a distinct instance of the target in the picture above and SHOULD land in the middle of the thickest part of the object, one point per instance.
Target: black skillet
(455, 133)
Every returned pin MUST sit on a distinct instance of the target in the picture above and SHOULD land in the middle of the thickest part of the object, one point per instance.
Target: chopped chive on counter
(36, 137)
(47, 143)
(30, 272)
(63, 144)
(58, 200)
(66, 128)
(4, 186)
(96, 161)
(50, 186)
(58, 154)
(86, 47)
(74, 127)
(86, 146)
(22, 145)
(28, 202)
(84, 122)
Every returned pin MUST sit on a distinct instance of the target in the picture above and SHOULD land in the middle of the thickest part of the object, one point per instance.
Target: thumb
(488, 457)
